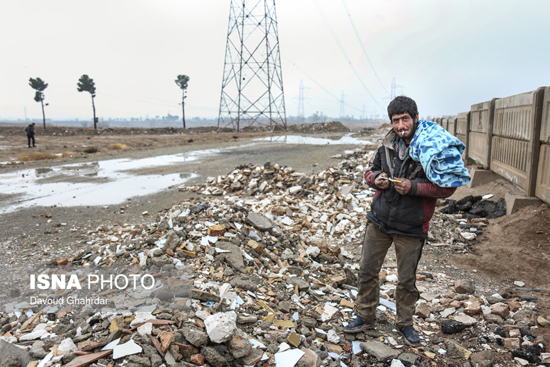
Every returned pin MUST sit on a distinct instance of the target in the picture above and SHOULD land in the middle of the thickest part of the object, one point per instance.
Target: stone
(284, 306)
(423, 310)
(542, 321)
(332, 337)
(294, 340)
(117, 324)
(244, 283)
(483, 359)
(454, 347)
(166, 339)
(259, 221)
(239, 346)
(472, 307)
(9, 351)
(195, 336)
(213, 357)
(313, 251)
(466, 320)
(512, 343)
(451, 326)
(500, 309)
(197, 359)
(493, 319)
(302, 284)
(253, 357)
(464, 286)
(379, 350)
(309, 359)
(37, 350)
(408, 357)
(204, 296)
(221, 326)
(233, 258)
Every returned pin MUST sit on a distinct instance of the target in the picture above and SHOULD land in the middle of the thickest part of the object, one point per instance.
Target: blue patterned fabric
(440, 154)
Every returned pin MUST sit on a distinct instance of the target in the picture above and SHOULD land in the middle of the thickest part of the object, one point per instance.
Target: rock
(423, 310)
(9, 351)
(452, 326)
(542, 321)
(512, 343)
(483, 359)
(454, 347)
(233, 258)
(313, 251)
(408, 357)
(239, 346)
(466, 320)
(259, 221)
(195, 336)
(332, 337)
(302, 284)
(284, 306)
(500, 309)
(197, 359)
(166, 339)
(253, 357)
(464, 286)
(213, 357)
(493, 319)
(244, 283)
(309, 359)
(204, 296)
(221, 326)
(472, 307)
(379, 350)
(37, 350)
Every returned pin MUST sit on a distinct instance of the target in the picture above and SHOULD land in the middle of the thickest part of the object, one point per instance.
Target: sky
(447, 55)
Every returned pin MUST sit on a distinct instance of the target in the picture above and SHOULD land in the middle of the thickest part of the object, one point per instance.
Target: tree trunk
(43, 114)
(183, 111)
(93, 108)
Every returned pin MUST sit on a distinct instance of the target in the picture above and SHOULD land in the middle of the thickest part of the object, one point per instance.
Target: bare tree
(182, 81)
(39, 86)
(86, 84)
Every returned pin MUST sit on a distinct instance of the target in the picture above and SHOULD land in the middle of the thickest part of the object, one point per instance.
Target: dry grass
(68, 154)
(36, 157)
(118, 146)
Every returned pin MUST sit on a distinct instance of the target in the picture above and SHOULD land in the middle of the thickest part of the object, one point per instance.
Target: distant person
(416, 163)
(30, 135)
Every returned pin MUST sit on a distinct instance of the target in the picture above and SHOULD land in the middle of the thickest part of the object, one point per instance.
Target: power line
(362, 46)
(344, 52)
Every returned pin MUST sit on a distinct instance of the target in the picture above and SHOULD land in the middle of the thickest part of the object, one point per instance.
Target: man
(30, 135)
(400, 213)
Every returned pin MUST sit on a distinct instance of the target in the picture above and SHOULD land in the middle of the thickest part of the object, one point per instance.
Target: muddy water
(102, 183)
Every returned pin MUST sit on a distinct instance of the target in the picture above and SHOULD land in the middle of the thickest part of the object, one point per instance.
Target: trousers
(375, 247)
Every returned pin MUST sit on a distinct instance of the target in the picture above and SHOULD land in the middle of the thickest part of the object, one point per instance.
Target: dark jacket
(30, 130)
(394, 213)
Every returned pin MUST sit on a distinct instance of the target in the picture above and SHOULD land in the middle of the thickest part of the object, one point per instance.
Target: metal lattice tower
(301, 110)
(393, 89)
(252, 86)
(342, 107)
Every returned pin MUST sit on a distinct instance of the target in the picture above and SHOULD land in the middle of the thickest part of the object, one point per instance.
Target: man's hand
(382, 181)
(402, 185)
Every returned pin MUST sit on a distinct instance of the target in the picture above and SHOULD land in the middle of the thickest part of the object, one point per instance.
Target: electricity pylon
(252, 86)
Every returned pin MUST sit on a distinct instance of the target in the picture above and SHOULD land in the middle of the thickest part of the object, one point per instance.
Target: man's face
(403, 125)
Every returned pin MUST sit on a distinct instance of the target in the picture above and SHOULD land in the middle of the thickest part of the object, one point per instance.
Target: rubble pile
(475, 207)
(259, 270)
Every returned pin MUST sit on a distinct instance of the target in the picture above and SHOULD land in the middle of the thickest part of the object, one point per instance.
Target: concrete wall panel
(451, 125)
(545, 124)
(516, 133)
(542, 190)
(480, 132)
(444, 123)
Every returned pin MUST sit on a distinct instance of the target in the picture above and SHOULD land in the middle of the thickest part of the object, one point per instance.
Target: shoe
(410, 335)
(358, 325)
(34, 146)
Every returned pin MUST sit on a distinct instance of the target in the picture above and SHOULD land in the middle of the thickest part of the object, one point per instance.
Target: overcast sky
(447, 55)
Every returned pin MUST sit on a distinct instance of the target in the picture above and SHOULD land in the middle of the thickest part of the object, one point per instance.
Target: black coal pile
(475, 207)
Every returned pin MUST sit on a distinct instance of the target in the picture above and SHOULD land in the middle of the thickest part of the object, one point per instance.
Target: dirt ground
(513, 248)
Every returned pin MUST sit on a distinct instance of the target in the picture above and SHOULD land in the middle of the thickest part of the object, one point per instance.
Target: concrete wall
(481, 129)
(515, 136)
(511, 137)
(542, 189)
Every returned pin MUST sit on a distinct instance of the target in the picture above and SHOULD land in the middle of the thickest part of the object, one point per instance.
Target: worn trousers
(375, 247)
(29, 138)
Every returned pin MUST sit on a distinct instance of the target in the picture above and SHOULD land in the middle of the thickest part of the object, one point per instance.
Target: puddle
(298, 139)
(97, 183)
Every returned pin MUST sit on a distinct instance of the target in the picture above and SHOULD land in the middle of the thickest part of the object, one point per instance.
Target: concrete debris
(260, 269)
